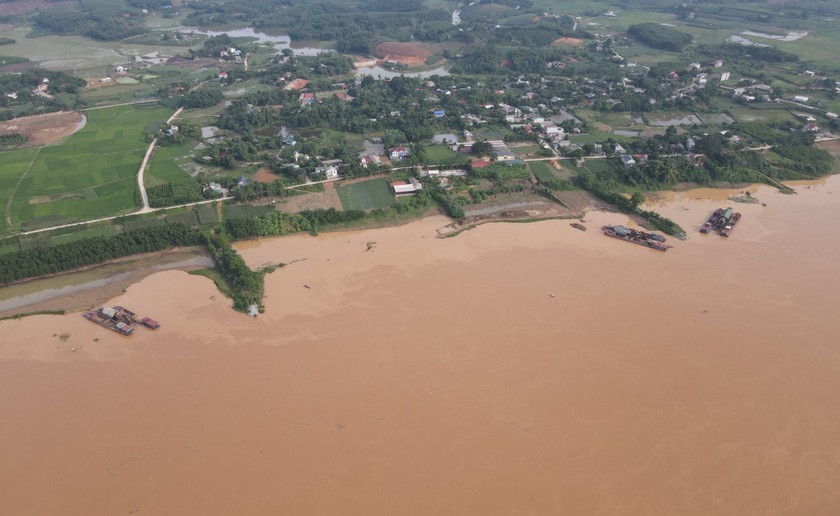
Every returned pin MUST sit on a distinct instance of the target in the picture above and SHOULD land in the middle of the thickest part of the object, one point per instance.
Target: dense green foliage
(94, 22)
(329, 19)
(202, 98)
(38, 261)
(660, 36)
(176, 192)
(806, 159)
(603, 192)
(277, 223)
(247, 286)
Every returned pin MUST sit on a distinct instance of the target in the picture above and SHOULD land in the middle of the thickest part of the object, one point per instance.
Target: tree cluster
(39, 261)
(660, 36)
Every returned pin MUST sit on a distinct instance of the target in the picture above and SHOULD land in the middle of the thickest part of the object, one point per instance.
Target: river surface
(513, 369)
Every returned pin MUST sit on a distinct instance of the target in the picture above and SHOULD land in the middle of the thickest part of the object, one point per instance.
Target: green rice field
(542, 170)
(92, 174)
(164, 166)
(367, 195)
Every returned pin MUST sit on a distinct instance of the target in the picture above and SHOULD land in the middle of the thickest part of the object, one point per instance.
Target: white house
(628, 160)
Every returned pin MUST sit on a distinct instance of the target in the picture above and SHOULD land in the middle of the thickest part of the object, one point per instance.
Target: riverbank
(83, 288)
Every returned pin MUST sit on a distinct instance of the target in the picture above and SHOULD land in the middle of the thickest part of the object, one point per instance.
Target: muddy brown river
(516, 369)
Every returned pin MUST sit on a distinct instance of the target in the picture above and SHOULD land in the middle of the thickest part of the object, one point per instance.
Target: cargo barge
(713, 220)
(148, 322)
(722, 220)
(727, 229)
(119, 319)
(109, 318)
(633, 236)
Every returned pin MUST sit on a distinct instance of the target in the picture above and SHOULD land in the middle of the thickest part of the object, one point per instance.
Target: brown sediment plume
(517, 368)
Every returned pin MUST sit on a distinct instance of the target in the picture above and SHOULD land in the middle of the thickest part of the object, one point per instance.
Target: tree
(637, 199)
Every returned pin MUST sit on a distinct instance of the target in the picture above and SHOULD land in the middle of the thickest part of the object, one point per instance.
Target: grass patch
(246, 211)
(543, 170)
(437, 155)
(367, 195)
(164, 167)
(101, 231)
(221, 283)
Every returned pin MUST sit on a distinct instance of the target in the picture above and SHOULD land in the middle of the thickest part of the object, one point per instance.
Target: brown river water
(516, 369)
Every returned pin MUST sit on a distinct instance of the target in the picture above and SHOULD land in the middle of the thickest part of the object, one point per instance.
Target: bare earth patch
(520, 207)
(311, 201)
(44, 129)
(567, 41)
(265, 175)
(406, 53)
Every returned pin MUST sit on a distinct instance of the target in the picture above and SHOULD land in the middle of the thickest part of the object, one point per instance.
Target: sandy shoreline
(419, 375)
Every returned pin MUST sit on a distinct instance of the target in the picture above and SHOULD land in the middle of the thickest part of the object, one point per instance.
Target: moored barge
(148, 322)
(109, 318)
(636, 237)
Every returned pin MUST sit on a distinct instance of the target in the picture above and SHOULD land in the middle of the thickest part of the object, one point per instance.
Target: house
(693, 66)
(364, 161)
(829, 114)
(718, 63)
(215, 187)
(242, 181)
(619, 149)
(811, 127)
(724, 76)
(105, 79)
(406, 187)
(223, 75)
(505, 155)
(628, 160)
(306, 99)
(439, 113)
(12, 95)
(399, 153)
(690, 143)
(329, 171)
(800, 98)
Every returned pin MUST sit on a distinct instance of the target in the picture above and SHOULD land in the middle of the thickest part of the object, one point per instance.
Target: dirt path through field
(14, 192)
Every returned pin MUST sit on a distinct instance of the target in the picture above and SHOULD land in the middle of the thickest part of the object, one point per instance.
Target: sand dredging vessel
(634, 236)
(722, 221)
(119, 319)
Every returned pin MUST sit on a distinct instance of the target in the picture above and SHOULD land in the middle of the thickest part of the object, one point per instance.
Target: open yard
(547, 170)
(366, 195)
(437, 155)
(92, 174)
(166, 164)
(44, 129)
